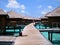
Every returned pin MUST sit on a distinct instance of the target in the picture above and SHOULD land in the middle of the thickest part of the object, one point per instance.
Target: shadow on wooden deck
(24, 35)
(6, 43)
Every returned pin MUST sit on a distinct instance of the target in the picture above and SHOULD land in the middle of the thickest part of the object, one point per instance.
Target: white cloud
(40, 6)
(43, 12)
(13, 4)
(22, 7)
(22, 11)
(50, 7)
(25, 12)
(5, 10)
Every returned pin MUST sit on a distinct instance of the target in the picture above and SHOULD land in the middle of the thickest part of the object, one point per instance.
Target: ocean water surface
(12, 31)
(55, 36)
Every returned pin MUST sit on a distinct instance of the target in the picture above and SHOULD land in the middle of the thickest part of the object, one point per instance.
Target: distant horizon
(32, 8)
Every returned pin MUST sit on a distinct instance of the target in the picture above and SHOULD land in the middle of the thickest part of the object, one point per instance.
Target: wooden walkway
(31, 36)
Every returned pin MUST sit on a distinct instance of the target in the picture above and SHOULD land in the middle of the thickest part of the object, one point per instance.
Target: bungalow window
(0, 22)
(59, 25)
(56, 25)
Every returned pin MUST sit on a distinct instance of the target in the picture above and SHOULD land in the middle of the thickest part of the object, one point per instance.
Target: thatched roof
(54, 13)
(37, 18)
(2, 12)
(43, 17)
(13, 14)
(27, 17)
(30, 18)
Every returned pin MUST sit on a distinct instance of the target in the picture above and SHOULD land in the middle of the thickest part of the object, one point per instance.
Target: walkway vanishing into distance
(31, 36)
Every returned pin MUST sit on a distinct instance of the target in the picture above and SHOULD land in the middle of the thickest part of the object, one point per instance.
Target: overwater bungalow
(3, 20)
(54, 18)
(29, 19)
(13, 18)
(20, 19)
(44, 20)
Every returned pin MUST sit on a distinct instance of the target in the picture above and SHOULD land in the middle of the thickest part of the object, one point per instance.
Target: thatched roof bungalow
(44, 19)
(31, 19)
(3, 20)
(54, 18)
(15, 17)
(12, 15)
(21, 19)
(18, 18)
(3, 17)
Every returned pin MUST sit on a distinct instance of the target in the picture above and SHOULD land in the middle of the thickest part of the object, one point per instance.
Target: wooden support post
(14, 29)
(4, 30)
(20, 33)
(19, 29)
(39, 26)
(8, 26)
(49, 35)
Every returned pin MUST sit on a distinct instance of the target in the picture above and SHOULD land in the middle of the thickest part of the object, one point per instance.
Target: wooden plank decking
(7, 38)
(31, 36)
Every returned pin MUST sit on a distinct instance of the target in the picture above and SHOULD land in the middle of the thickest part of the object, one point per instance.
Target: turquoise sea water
(55, 36)
(14, 32)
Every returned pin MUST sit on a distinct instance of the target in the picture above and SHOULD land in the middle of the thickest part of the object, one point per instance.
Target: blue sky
(34, 8)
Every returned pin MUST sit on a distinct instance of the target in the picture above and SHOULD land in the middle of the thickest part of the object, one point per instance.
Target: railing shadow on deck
(6, 43)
